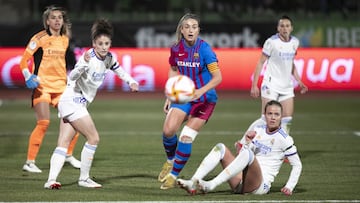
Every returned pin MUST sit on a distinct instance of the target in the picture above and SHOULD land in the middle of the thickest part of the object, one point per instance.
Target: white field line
(120, 132)
(246, 201)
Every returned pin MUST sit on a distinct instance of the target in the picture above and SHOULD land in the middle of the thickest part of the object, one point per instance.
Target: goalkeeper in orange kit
(47, 49)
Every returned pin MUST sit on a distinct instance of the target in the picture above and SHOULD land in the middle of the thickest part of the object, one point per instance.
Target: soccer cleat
(188, 185)
(165, 171)
(52, 184)
(73, 161)
(168, 183)
(89, 183)
(205, 186)
(30, 166)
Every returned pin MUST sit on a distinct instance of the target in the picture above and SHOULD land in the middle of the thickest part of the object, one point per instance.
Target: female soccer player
(47, 48)
(260, 155)
(193, 57)
(82, 87)
(279, 51)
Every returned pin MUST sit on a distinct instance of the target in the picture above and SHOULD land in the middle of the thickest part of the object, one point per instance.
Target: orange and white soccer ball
(179, 89)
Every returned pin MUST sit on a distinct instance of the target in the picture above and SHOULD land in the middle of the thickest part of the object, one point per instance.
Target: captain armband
(213, 67)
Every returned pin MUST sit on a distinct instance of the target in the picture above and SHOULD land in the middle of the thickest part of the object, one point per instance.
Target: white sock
(209, 162)
(57, 162)
(286, 123)
(243, 159)
(87, 156)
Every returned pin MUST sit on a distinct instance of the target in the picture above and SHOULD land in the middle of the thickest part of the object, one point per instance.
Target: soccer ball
(179, 89)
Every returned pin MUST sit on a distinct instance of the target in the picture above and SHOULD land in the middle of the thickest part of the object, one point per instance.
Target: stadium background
(326, 127)
(322, 23)
(233, 28)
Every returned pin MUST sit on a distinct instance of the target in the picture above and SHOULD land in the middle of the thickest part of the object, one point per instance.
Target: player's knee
(286, 119)
(168, 131)
(93, 140)
(286, 123)
(188, 135)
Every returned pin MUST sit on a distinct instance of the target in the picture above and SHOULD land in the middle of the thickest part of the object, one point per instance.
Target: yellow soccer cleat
(169, 182)
(165, 171)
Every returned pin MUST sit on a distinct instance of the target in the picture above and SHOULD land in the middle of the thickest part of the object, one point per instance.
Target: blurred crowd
(306, 7)
(168, 10)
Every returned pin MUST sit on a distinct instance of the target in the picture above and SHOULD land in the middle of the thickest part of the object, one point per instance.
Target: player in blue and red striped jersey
(193, 57)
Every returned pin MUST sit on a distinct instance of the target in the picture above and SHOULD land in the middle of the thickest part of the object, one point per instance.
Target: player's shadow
(309, 153)
(276, 189)
(120, 177)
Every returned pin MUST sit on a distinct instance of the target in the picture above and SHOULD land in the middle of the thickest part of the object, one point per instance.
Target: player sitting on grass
(260, 155)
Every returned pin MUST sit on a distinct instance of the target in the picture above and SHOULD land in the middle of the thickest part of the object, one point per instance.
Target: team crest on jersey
(196, 55)
(32, 45)
(272, 141)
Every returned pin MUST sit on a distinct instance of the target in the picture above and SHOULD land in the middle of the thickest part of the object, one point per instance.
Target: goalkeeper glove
(31, 80)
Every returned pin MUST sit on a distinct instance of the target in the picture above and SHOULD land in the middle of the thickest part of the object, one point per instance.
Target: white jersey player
(260, 155)
(279, 65)
(270, 149)
(277, 57)
(83, 83)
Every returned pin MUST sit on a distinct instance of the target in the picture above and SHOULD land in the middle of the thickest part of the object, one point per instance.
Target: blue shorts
(202, 110)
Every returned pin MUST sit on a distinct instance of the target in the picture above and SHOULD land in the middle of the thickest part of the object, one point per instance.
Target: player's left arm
(295, 73)
(123, 75)
(215, 80)
(296, 168)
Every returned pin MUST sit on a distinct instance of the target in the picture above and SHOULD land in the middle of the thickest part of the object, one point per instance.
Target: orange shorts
(48, 97)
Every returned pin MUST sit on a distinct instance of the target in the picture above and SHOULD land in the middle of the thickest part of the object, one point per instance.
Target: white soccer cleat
(30, 166)
(73, 161)
(205, 186)
(52, 184)
(89, 183)
(188, 185)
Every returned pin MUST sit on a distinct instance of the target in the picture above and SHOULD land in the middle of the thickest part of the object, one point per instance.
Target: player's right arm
(79, 69)
(255, 92)
(173, 71)
(31, 79)
(245, 140)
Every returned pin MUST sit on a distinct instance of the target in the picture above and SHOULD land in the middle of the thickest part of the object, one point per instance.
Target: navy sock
(170, 144)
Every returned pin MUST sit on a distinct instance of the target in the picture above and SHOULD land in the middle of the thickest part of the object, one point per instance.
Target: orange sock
(72, 144)
(36, 138)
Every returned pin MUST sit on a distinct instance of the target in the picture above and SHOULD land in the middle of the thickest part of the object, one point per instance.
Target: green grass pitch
(326, 130)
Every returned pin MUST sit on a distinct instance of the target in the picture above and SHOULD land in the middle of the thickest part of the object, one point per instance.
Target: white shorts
(263, 189)
(271, 94)
(72, 106)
